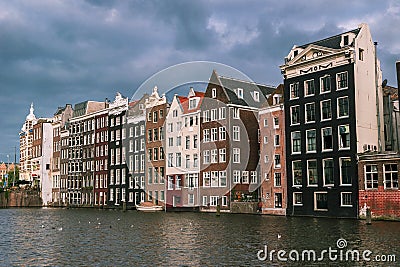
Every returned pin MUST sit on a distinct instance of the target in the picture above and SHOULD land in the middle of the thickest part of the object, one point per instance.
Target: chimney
(398, 74)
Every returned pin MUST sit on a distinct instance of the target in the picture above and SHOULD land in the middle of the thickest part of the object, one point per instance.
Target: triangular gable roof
(312, 48)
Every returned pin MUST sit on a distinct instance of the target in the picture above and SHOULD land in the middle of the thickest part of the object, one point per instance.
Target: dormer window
(192, 103)
(276, 99)
(240, 93)
(175, 113)
(256, 96)
(295, 53)
(214, 93)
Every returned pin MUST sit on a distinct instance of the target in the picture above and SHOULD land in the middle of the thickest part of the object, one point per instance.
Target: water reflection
(54, 237)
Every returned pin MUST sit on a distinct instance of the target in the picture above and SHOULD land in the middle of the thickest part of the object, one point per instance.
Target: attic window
(175, 113)
(295, 53)
(256, 96)
(192, 103)
(240, 93)
(141, 106)
(276, 100)
(361, 54)
(214, 93)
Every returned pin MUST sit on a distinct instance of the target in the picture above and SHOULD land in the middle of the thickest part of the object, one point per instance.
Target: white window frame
(306, 85)
(341, 199)
(292, 88)
(341, 174)
(291, 115)
(323, 172)
(338, 109)
(338, 81)
(294, 198)
(321, 84)
(327, 100)
(306, 113)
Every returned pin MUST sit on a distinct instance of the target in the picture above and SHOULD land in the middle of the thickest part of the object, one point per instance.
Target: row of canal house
(313, 146)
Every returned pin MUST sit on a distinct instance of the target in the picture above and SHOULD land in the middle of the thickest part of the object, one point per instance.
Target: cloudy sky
(54, 52)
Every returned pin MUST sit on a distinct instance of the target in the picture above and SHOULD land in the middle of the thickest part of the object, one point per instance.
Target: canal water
(89, 237)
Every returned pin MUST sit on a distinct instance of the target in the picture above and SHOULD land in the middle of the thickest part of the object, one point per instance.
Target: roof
(231, 84)
(80, 109)
(184, 101)
(331, 42)
(392, 91)
(133, 103)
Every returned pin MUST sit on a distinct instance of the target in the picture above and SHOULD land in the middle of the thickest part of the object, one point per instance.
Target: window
(195, 160)
(326, 110)
(295, 115)
(214, 134)
(170, 159)
(236, 155)
(224, 201)
(205, 201)
(187, 162)
(276, 140)
(312, 174)
(178, 141)
(236, 133)
(222, 155)
(343, 107)
(328, 172)
(345, 199)
(278, 200)
(175, 113)
(345, 171)
(296, 142)
(214, 179)
(344, 137)
(371, 176)
(170, 182)
(236, 176)
(311, 140)
(222, 178)
(222, 133)
(253, 177)
(309, 88)
(245, 177)
(297, 199)
(170, 127)
(265, 122)
(277, 161)
(297, 173)
(190, 199)
(195, 141)
(361, 54)
(327, 140)
(236, 114)
(192, 103)
(178, 182)
(214, 93)
(213, 114)
(256, 96)
(178, 159)
(321, 201)
(325, 84)
(170, 141)
(155, 116)
(341, 79)
(240, 93)
(265, 139)
(206, 156)
(310, 112)
(187, 142)
(222, 113)
(213, 201)
(155, 134)
(391, 177)
(276, 122)
(206, 115)
(206, 135)
(206, 179)
(294, 90)
(155, 154)
(277, 179)
(214, 156)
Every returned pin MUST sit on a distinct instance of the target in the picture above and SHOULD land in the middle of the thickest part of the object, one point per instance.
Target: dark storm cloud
(58, 52)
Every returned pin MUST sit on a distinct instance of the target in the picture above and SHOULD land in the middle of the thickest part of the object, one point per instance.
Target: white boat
(148, 207)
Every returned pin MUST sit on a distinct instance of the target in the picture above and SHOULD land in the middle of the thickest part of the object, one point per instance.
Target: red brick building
(379, 184)
(272, 155)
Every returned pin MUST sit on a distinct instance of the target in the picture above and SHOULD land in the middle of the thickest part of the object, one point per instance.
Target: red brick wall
(383, 202)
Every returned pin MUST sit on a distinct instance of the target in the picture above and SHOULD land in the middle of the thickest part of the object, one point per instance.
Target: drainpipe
(377, 100)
